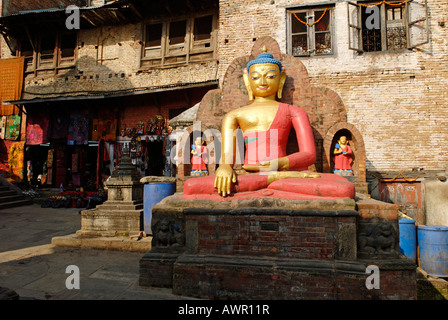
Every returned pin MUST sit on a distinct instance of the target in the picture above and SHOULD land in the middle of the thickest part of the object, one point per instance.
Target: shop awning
(88, 95)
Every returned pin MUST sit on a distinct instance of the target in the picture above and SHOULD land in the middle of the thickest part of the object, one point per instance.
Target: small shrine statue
(140, 128)
(342, 158)
(199, 158)
(159, 124)
(266, 124)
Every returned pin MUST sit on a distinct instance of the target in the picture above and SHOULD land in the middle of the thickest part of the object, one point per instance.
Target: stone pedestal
(122, 213)
(276, 249)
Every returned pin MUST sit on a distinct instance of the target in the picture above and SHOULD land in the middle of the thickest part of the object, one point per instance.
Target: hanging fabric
(16, 160)
(78, 131)
(37, 127)
(11, 73)
(13, 127)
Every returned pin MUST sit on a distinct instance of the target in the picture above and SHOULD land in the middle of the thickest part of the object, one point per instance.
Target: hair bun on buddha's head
(265, 57)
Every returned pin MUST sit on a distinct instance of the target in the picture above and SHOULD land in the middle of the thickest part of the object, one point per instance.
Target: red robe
(343, 161)
(199, 161)
(327, 186)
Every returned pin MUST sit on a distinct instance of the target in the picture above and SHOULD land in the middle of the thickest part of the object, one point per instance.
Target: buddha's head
(264, 76)
(343, 140)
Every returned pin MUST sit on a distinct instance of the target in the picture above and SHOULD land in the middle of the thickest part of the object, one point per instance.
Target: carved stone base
(243, 277)
(112, 218)
(275, 249)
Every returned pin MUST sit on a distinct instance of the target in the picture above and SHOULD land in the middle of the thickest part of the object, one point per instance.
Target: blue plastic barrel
(408, 238)
(153, 193)
(433, 249)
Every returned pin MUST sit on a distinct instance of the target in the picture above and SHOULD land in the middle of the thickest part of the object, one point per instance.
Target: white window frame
(311, 30)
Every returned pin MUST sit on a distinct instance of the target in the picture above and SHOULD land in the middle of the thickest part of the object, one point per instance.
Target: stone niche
(271, 248)
(122, 212)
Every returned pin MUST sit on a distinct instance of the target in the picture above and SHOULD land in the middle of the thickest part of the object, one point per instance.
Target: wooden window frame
(411, 25)
(182, 53)
(58, 63)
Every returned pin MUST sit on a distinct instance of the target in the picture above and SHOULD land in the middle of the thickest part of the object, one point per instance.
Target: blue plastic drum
(433, 249)
(153, 193)
(408, 238)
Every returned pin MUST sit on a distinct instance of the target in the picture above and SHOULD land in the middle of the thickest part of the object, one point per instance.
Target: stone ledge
(272, 211)
(109, 243)
(335, 204)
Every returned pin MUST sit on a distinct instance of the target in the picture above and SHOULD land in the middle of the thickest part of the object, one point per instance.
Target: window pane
(47, 45)
(26, 49)
(323, 43)
(299, 45)
(153, 35)
(396, 37)
(371, 37)
(203, 28)
(68, 45)
(298, 26)
(324, 22)
(394, 13)
(177, 32)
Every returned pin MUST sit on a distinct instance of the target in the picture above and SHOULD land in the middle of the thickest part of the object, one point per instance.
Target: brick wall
(396, 100)
(298, 235)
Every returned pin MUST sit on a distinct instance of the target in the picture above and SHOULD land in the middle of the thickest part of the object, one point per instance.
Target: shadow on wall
(87, 78)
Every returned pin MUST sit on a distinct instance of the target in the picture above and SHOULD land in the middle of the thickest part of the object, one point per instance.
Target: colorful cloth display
(78, 130)
(37, 128)
(3, 127)
(59, 123)
(16, 160)
(13, 127)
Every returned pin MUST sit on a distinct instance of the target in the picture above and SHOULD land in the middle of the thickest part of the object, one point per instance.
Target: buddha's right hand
(224, 177)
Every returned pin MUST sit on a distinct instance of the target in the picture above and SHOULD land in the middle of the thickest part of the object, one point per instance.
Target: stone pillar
(122, 213)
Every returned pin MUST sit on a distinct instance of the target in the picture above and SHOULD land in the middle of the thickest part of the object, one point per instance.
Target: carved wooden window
(49, 54)
(180, 41)
(311, 32)
(387, 26)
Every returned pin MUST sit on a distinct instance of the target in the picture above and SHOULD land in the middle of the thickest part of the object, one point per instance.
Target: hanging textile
(3, 127)
(60, 119)
(12, 131)
(37, 127)
(78, 130)
(16, 160)
(102, 161)
(104, 126)
(11, 73)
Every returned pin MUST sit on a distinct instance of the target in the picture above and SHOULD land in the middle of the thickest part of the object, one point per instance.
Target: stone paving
(33, 267)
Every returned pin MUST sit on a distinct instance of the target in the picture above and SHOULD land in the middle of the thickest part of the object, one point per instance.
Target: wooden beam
(134, 9)
(27, 30)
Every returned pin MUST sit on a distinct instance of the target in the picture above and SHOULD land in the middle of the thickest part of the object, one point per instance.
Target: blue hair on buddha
(265, 57)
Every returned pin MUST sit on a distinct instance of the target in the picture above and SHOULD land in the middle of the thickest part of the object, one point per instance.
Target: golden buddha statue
(266, 124)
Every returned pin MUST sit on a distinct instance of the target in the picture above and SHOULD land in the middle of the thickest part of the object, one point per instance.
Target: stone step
(17, 203)
(8, 193)
(10, 198)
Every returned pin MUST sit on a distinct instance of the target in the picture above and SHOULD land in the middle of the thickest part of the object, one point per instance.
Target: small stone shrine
(122, 213)
(309, 237)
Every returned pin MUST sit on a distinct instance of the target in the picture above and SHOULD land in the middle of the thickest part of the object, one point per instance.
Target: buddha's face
(264, 79)
(343, 139)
